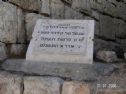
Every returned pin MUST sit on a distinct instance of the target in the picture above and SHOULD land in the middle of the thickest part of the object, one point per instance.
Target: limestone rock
(30, 20)
(82, 6)
(107, 56)
(75, 88)
(95, 15)
(10, 84)
(3, 51)
(100, 44)
(68, 1)
(72, 14)
(125, 55)
(18, 50)
(109, 7)
(109, 91)
(45, 7)
(121, 10)
(57, 9)
(107, 27)
(41, 85)
(123, 44)
(121, 28)
(11, 26)
(32, 5)
(21, 37)
(97, 5)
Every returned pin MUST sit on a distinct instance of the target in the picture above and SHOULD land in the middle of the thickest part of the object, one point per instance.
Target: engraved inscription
(59, 37)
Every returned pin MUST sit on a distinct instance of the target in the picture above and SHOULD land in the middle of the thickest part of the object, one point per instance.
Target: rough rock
(10, 84)
(45, 7)
(107, 56)
(110, 8)
(107, 27)
(122, 44)
(57, 9)
(100, 44)
(72, 14)
(121, 28)
(125, 55)
(79, 72)
(41, 85)
(30, 20)
(68, 1)
(121, 10)
(11, 26)
(109, 91)
(82, 6)
(18, 50)
(97, 5)
(32, 5)
(75, 88)
(95, 15)
(3, 51)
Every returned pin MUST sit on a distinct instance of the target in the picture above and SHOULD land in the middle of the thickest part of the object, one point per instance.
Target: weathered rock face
(41, 85)
(33, 5)
(3, 51)
(57, 9)
(45, 7)
(17, 50)
(100, 44)
(75, 88)
(10, 84)
(11, 26)
(41, 6)
(71, 14)
(30, 20)
(107, 56)
(107, 27)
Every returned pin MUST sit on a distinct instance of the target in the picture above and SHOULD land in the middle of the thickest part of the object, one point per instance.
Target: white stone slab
(62, 41)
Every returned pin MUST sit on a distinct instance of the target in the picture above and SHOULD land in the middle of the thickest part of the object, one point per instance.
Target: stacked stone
(18, 18)
(17, 84)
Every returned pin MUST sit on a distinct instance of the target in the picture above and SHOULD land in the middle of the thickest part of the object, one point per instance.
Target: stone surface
(57, 9)
(11, 26)
(75, 88)
(125, 55)
(66, 39)
(41, 85)
(10, 84)
(121, 28)
(110, 8)
(79, 72)
(30, 20)
(45, 8)
(68, 1)
(72, 14)
(32, 5)
(107, 27)
(100, 44)
(122, 44)
(109, 91)
(3, 51)
(82, 6)
(21, 33)
(121, 10)
(17, 50)
(107, 56)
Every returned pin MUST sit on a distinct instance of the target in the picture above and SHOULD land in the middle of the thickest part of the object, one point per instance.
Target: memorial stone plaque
(62, 41)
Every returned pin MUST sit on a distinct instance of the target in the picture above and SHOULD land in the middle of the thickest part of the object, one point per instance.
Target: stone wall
(18, 18)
